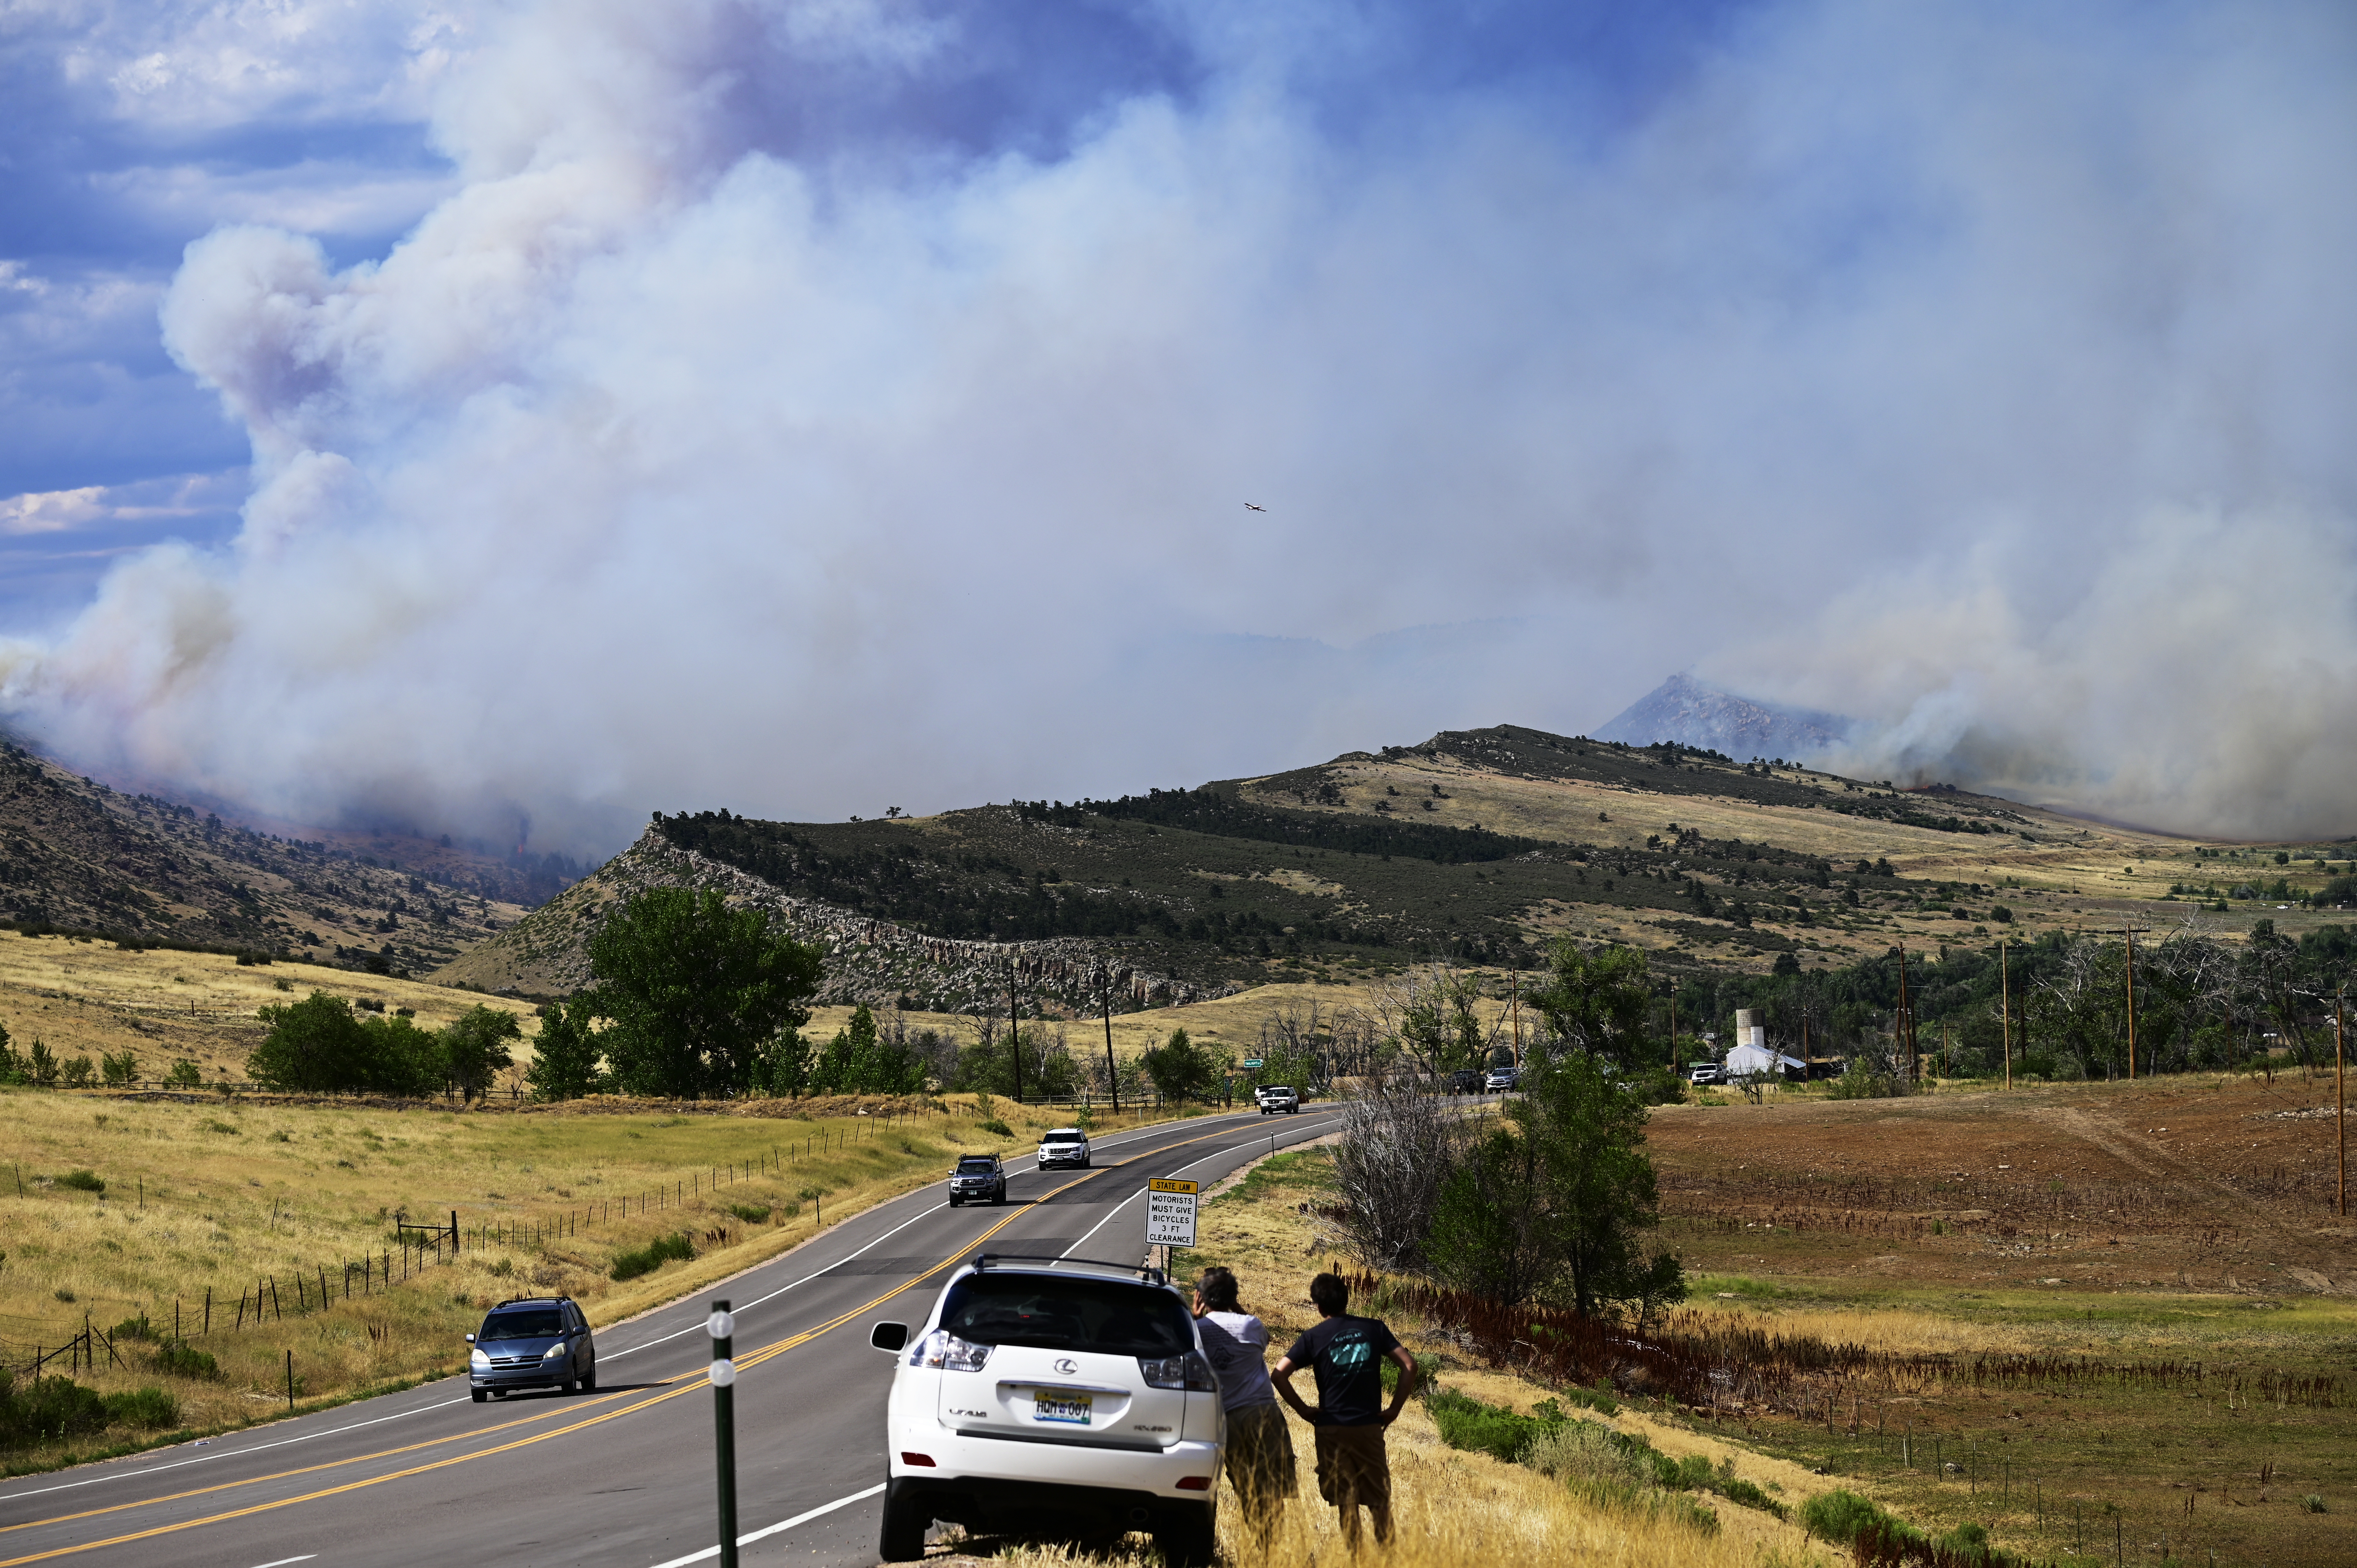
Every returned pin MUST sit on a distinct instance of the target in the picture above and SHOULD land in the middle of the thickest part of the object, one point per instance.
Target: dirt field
(2211, 1183)
(2107, 1317)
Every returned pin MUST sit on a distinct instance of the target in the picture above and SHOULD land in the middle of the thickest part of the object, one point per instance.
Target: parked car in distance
(1465, 1081)
(1063, 1146)
(1502, 1079)
(978, 1178)
(1277, 1097)
(1705, 1072)
(1052, 1396)
(532, 1342)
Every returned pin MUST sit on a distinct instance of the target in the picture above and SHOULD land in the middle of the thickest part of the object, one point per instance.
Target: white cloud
(656, 469)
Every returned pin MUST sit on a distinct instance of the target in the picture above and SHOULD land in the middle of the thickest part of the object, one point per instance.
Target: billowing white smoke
(675, 462)
(2204, 680)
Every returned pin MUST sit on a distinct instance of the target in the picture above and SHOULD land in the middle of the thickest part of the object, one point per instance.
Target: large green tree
(312, 1047)
(1560, 1200)
(475, 1049)
(695, 992)
(564, 1054)
(1181, 1069)
(1596, 1003)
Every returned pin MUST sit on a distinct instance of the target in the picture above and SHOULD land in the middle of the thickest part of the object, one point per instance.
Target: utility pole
(2341, 1093)
(2005, 1004)
(1104, 995)
(1907, 1022)
(2130, 931)
(1014, 1033)
(1515, 991)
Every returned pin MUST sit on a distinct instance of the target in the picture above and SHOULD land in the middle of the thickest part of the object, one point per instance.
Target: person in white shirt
(1260, 1449)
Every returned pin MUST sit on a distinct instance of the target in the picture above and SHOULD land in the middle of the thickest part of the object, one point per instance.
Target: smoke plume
(754, 425)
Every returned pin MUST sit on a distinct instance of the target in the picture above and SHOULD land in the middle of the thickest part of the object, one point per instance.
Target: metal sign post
(721, 1326)
(1169, 1215)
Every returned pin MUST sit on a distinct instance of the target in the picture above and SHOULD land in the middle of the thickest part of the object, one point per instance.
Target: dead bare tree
(1400, 1145)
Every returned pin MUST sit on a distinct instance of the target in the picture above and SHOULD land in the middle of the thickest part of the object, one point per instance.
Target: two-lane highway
(623, 1477)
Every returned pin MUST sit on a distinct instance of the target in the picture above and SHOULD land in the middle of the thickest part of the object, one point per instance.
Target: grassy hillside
(1476, 846)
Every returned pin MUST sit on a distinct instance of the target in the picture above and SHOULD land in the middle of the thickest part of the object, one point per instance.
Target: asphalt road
(623, 1477)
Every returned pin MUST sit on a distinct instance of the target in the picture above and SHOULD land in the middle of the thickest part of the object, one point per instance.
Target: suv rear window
(525, 1323)
(1045, 1313)
(976, 1165)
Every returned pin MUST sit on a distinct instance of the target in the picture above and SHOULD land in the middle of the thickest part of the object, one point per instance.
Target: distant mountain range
(1685, 711)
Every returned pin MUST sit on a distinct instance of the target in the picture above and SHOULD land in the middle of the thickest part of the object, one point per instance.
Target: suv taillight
(946, 1350)
(1188, 1371)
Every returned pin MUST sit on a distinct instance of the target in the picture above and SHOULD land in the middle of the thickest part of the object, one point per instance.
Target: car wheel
(481, 1394)
(569, 1385)
(902, 1539)
(589, 1380)
(1188, 1540)
(954, 1202)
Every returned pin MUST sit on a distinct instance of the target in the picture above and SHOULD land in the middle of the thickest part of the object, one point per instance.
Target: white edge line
(709, 1552)
(282, 1562)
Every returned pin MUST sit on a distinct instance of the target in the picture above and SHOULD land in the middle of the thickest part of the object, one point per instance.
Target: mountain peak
(1691, 712)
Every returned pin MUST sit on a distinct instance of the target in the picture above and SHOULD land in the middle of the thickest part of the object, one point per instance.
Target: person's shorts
(1260, 1452)
(1352, 1467)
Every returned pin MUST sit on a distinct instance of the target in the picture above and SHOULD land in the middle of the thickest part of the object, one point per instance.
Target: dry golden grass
(222, 1196)
(2078, 874)
(91, 998)
(1454, 1510)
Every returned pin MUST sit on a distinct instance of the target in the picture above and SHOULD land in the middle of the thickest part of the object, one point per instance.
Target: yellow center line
(684, 1383)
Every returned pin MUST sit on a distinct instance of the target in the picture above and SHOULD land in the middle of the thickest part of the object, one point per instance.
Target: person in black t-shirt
(1347, 1354)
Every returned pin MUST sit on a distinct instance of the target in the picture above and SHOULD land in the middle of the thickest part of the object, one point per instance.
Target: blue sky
(364, 368)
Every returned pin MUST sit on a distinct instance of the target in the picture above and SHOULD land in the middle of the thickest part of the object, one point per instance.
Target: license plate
(1070, 1408)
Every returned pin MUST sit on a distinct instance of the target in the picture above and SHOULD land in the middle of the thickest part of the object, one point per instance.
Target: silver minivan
(532, 1342)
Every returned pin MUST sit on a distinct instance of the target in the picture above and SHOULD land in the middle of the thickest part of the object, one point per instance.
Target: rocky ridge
(546, 953)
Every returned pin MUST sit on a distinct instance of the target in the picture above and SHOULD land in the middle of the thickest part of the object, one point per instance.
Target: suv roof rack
(520, 1300)
(982, 1262)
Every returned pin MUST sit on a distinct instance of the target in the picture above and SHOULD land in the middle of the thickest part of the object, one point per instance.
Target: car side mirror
(889, 1337)
(470, 1339)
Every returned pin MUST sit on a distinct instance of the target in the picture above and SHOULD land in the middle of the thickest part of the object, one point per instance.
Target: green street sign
(1255, 1061)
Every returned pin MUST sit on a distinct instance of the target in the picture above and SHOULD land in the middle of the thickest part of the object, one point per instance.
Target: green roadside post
(721, 1326)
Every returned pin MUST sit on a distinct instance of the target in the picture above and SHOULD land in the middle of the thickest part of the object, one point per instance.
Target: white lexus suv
(1052, 1396)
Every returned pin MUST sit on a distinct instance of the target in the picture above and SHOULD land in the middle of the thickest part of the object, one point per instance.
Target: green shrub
(181, 1360)
(46, 1408)
(83, 1181)
(997, 1127)
(1590, 1451)
(184, 1075)
(1598, 1399)
(751, 1213)
(150, 1408)
(134, 1328)
(630, 1264)
(2311, 1503)
(1466, 1422)
(1840, 1517)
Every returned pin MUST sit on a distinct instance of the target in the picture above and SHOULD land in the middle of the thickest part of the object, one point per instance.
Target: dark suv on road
(979, 1178)
(532, 1342)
